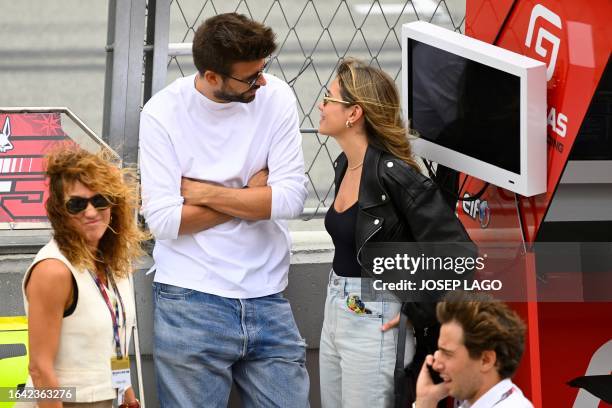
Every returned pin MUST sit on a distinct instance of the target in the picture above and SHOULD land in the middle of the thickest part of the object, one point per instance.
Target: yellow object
(10, 323)
(13, 353)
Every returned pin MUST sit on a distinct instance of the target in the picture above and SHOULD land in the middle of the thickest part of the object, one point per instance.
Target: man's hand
(193, 191)
(259, 179)
(251, 204)
(427, 393)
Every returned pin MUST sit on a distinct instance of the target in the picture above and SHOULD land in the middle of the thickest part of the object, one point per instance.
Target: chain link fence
(313, 36)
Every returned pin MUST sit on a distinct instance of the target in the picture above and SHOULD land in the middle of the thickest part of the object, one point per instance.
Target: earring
(349, 124)
(109, 225)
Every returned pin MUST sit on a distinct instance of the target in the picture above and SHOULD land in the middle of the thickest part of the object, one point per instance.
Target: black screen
(464, 105)
(594, 139)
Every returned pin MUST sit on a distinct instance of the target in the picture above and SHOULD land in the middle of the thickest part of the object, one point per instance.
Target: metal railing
(91, 142)
(83, 136)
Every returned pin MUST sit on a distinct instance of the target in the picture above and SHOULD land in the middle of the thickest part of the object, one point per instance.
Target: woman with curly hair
(77, 294)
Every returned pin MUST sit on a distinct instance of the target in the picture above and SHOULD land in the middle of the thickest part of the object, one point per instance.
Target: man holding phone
(480, 346)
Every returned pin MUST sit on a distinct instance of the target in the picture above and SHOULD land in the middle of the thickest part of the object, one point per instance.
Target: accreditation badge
(120, 372)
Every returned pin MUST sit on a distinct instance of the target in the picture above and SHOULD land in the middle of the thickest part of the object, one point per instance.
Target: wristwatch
(133, 404)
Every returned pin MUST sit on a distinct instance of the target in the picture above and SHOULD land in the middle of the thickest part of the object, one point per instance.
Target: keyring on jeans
(354, 303)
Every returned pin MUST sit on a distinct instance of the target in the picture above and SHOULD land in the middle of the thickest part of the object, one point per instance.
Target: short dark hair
(487, 325)
(227, 38)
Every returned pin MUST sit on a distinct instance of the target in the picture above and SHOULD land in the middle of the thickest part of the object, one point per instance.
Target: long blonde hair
(121, 243)
(375, 92)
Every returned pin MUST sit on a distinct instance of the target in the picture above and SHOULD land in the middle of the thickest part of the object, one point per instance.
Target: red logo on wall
(24, 141)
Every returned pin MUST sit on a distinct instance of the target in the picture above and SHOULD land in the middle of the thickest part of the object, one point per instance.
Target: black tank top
(341, 228)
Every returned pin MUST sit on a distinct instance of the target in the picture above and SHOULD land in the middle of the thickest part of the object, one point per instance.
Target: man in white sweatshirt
(222, 169)
(480, 347)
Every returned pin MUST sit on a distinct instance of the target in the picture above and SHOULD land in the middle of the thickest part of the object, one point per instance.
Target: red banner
(24, 141)
(574, 39)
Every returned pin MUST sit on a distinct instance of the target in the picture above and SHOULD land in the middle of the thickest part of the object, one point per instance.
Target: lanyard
(505, 395)
(113, 311)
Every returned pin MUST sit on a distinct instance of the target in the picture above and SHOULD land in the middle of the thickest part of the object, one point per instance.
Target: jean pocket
(172, 292)
(366, 310)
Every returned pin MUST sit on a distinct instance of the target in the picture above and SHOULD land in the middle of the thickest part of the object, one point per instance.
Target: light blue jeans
(203, 342)
(356, 358)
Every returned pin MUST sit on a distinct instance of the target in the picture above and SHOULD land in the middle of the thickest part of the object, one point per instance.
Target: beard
(245, 97)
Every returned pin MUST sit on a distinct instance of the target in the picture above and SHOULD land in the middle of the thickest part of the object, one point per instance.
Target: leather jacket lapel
(370, 217)
(371, 193)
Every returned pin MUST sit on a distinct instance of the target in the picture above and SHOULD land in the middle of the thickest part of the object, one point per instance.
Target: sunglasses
(327, 99)
(251, 81)
(76, 205)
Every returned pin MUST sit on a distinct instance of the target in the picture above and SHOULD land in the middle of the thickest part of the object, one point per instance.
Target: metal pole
(156, 66)
(134, 86)
(148, 51)
(108, 72)
(123, 95)
(113, 127)
(123, 89)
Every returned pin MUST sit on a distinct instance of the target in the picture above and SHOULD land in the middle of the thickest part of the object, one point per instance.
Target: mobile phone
(435, 376)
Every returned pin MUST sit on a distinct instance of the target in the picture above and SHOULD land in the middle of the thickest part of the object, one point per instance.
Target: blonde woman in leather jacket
(380, 196)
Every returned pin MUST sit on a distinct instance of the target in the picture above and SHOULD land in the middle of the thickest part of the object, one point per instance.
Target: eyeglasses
(251, 81)
(327, 98)
(76, 205)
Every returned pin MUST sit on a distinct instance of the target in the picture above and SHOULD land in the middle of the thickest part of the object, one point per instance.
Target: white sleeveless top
(86, 338)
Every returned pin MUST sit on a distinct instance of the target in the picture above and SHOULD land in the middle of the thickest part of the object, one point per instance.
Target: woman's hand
(391, 323)
(129, 398)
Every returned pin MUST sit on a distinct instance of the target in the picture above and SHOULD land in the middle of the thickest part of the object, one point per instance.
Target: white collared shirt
(183, 133)
(504, 394)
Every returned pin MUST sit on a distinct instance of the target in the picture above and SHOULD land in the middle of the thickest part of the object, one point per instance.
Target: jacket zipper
(365, 242)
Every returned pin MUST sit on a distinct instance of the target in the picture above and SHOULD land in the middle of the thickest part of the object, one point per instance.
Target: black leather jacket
(398, 204)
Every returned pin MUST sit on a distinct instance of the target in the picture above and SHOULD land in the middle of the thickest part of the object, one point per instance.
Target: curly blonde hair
(121, 243)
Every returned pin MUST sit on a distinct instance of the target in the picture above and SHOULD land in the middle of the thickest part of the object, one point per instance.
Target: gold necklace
(356, 166)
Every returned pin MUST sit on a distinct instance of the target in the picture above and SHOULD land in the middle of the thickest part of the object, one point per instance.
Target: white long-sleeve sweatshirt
(183, 133)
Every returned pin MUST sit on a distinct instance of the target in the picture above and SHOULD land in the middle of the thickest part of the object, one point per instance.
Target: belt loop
(341, 284)
(366, 294)
(369, 292)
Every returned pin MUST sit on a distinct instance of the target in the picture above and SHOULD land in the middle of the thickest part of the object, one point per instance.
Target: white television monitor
(478, 108)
